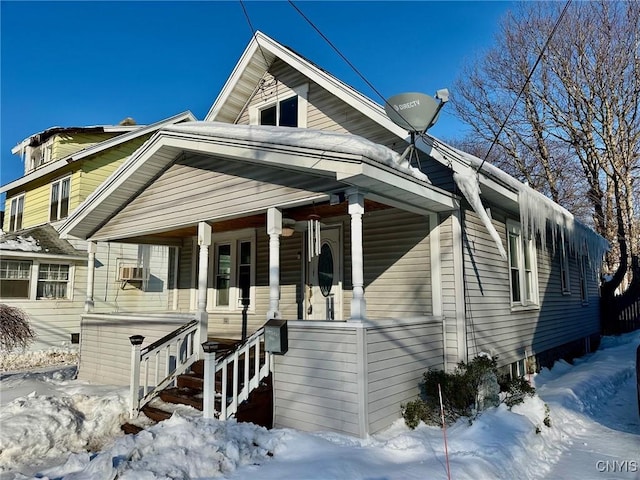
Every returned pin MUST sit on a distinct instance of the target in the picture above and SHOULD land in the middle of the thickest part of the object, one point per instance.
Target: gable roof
(349, 159)
(97, 148)
(260, 54)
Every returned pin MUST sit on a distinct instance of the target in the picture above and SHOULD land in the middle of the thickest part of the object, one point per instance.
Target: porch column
(92, 248)
(356, 210)
(204, 241)
(274, 229)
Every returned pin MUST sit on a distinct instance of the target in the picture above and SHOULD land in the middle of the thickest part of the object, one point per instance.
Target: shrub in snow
(15, 330)
(471, 388)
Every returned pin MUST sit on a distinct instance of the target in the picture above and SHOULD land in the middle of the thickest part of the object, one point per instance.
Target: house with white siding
(291, 201)
(47, 276)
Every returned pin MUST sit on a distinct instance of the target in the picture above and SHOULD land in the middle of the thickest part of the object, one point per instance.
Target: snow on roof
(536, 209)
(302, 137)
(25, 244)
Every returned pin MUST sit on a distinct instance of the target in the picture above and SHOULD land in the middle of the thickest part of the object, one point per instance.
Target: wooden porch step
(192, 380)
(131, 429)
(183, 395)
(156, 414)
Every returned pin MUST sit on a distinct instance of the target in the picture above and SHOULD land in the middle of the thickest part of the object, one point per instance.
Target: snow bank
(302, 137)
(37, 428)
(178, 448)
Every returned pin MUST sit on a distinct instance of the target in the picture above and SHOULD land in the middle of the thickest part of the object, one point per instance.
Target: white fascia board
(413, 186)
(250, 53)
(97, 148)
(40, 172)
(328, 82)
(37, 255)
(109, 186)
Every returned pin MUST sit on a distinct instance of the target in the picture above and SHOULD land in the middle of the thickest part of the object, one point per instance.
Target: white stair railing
(231, 398)
(164, 360)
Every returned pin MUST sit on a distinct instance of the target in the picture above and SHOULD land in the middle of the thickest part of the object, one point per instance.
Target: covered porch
(332, 236)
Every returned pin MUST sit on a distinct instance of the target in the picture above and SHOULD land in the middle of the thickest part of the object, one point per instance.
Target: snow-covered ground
(68, 429)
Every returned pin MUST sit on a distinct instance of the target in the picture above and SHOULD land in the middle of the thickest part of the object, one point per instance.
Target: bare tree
(575, 131)
(15, 330)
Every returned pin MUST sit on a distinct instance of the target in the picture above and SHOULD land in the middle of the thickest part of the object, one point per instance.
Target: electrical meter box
(276, 339)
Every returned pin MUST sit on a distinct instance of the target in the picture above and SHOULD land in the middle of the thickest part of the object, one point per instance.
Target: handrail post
(209, 348)
(134, 402)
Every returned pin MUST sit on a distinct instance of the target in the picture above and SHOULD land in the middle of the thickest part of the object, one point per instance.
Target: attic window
(282, 114)
(282, 110)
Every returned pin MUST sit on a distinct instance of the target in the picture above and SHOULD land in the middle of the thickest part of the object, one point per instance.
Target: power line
(253, 32)
(544, 48)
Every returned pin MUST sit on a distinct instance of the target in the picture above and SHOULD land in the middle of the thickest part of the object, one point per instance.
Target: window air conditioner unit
(131, 274)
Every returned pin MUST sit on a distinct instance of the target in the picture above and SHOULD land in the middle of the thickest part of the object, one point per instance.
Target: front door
(323, 291)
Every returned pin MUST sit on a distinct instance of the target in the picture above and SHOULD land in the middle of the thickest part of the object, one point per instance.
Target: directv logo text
(404, 106)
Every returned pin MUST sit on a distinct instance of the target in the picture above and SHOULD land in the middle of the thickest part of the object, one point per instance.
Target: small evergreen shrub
(469, 389)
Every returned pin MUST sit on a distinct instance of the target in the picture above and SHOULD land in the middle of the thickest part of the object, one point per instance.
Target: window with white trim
(53, 281)
(15, 213)
(565, 283)
(523, 275)
(15, 278)
(584, 287)
(234, 273)
(283, 109)
(59, 204)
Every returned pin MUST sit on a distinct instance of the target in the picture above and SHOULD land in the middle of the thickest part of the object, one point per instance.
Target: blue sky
(94, 63)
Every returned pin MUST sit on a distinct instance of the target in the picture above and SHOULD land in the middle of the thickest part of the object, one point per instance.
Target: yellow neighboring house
(45, 275)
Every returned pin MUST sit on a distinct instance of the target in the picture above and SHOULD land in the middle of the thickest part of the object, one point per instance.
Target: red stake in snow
(444, 433)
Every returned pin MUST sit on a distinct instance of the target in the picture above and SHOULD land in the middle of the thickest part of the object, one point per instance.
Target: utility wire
(324, 37)
(253, 32)
(533, 69)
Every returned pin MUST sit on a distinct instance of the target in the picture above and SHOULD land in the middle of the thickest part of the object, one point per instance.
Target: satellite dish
(416, 113)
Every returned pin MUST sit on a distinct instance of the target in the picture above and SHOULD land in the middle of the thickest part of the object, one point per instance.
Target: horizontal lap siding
(112, 295)
(105, 349)
(315, 383)
(397, 357)
(493, 326)
(448, 289)
(198, 188)
(53, 321)
(97, 168)
(397, 269)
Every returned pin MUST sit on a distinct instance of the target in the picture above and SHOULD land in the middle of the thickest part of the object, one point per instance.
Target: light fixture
(288, 225)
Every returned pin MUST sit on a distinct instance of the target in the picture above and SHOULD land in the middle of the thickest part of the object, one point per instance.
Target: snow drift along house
(45, 275)
(289, 202)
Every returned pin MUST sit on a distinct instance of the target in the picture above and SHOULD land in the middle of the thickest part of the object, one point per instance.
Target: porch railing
(163, 361)
(240, 373)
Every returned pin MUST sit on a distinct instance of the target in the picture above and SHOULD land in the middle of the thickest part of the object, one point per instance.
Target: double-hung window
(53, 281)
(522, 267)
(59, 204)
(234, 273)
(15, 213)
(565, 284)
(283, 113)
(584, 287)
(15, 278)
